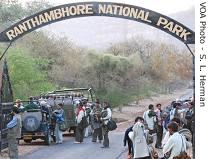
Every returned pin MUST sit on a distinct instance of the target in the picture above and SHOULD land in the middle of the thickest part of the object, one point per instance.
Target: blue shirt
(12, 123)
(59, 117)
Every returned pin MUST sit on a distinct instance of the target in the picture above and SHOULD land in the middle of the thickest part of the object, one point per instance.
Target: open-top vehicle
(70, 98)
(37, 124)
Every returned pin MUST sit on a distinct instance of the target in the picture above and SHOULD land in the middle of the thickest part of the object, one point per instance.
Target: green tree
(26, 79)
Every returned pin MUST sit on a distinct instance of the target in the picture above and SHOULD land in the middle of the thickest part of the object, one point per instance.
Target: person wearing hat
(59, 118)
(19, 104)
(13, 134)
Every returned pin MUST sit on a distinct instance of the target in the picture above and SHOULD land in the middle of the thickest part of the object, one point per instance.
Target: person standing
(20, 107)
(176, 143)
(87, 130)
(13, 134)
(176, 110)
(138, 137)
(159, 126)
(150, 119)
(59, 118)
(128, 140)
(96, 123)
(105, 131)
(79, 129)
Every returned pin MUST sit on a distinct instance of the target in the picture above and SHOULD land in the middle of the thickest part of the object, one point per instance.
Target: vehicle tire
(48, 138)
(28, 141)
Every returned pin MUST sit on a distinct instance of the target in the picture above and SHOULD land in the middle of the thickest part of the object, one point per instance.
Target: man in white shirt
(150, 119)
(176, 143)
(167, 134)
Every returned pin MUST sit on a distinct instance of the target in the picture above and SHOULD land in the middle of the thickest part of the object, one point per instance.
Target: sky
(101, 32)
(161, 6)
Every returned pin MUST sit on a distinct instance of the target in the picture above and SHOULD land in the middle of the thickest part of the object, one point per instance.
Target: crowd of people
(155, 123)
(97, 117)
(97, 122)
(163, 125)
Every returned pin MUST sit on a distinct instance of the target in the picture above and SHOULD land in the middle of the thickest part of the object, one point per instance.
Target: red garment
(80, 109)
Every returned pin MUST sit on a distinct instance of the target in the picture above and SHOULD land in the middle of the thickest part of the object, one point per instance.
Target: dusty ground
(125, 115)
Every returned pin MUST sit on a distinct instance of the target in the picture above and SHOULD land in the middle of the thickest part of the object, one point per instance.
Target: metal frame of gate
(6, 104)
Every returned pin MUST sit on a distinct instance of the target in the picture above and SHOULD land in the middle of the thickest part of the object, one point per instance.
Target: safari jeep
(37, 124)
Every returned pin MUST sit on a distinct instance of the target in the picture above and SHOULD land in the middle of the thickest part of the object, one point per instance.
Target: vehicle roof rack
(70, 90)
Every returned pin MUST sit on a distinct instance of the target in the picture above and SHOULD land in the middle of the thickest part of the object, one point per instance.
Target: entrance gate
(77, 10)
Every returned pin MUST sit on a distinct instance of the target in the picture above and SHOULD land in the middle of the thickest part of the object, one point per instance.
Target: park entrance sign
(84, 9)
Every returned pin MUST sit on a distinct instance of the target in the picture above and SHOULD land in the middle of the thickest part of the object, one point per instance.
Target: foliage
(26, 78)
(119, 96)
(120, 73)
(13, 11)
(9, 13)
(36, 6)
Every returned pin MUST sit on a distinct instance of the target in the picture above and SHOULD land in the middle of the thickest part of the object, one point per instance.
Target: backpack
(151, 114)
(111, 125)
(62, 126)
(84, 122)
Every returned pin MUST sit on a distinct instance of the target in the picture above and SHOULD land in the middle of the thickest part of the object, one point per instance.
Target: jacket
(126, 137)
(14, 128)
(139, 141)
(59, 115)
(150, 121)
